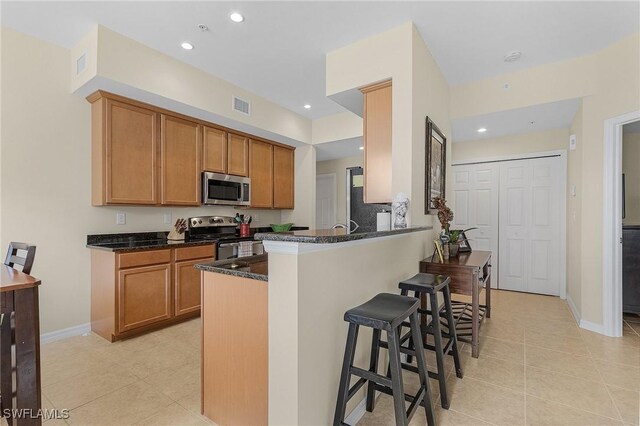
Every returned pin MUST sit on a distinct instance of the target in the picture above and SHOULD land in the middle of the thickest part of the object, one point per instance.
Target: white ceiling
(339, 149)
(554, 115)
(279, 51)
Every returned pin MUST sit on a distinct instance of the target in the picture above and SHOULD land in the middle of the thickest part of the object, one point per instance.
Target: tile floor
(535, 367)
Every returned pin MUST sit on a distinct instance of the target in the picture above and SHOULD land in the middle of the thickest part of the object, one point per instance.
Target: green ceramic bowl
(283, 227)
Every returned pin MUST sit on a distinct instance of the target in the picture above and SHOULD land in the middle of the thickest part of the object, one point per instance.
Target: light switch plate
(121, 218)
(167, 218)
(573, 143)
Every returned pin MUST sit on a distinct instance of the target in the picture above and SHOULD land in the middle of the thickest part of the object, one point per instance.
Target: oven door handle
(229, 245)
(237, 244)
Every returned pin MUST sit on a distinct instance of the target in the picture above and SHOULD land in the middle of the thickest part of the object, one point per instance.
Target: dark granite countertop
(328, 236)
(252, 267)
(138, 241)
(132, 241)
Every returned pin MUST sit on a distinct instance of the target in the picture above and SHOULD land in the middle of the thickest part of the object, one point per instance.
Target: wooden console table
(469, 272)
(19, 295)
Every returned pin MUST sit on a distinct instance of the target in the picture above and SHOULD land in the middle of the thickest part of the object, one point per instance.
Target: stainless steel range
(222, 230)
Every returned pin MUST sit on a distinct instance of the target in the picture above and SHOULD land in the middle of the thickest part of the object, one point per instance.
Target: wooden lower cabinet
(187, 287)
(144, 296)
(139, 291)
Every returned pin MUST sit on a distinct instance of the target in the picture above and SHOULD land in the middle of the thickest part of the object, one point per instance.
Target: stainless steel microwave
(219, 189)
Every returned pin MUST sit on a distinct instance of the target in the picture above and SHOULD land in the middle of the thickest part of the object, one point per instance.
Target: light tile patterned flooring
(535, 367)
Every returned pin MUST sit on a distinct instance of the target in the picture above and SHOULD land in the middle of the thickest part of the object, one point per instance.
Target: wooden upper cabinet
(180, 153)
(214, 150)
(261, 173)
(124, 153)
(377, 143)
(283, 177)
(237, 155)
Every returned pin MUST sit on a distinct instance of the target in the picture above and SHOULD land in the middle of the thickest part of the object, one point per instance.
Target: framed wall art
(435, 166)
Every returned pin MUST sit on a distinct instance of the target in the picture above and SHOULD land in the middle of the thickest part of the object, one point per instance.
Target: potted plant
(449, 237)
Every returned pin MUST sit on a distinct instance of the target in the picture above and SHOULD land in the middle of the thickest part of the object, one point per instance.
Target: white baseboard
(357, 413)
(573, 309)
(596, 328)
(587, 325)
(76, 330)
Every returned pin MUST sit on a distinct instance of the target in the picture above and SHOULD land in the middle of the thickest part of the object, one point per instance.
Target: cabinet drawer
(141, 258)
(198, 252)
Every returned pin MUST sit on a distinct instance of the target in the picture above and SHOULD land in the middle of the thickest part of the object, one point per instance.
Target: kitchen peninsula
(286, 320)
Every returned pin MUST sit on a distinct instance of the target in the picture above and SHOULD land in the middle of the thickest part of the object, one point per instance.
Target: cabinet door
(283, 177)
(261, 174)
(237, 155)
(214, 150)
(144, 296)
(130, 154)
(187, 286)
(180, 161)
(377, 143)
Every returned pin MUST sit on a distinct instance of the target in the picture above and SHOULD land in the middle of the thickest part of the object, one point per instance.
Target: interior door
(325, 201)
(475, 189)
(530, 225)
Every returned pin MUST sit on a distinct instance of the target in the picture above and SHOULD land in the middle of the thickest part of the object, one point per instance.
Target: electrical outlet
(121, 218)
(256, 218)
(167, 219)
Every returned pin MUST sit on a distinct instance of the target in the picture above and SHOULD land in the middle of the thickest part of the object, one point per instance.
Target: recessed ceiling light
(236, 17)
(187, 46)
(482, 130)
(362, 148)
(512, 56)
(307, 106)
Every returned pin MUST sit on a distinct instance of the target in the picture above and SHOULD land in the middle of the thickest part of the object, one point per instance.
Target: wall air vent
(241, 105)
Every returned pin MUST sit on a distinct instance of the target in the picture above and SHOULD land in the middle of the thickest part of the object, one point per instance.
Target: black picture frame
(435, 166)
(465, 246)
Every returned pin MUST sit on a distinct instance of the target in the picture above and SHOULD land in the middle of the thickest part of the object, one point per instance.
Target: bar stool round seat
(430, 285)
(384, 312)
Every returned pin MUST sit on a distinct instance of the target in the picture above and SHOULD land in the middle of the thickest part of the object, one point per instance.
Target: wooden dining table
(469, 273)
(20, 398)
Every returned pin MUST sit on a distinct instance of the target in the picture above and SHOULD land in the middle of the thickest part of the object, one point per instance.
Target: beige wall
(338, 167)
(526, 143)
(46, 177)
(574, 216)
(419, 90)
(631, 170)
(308, 296)
(337, 127)
(135, 68)
(304, 213)
(609, 83)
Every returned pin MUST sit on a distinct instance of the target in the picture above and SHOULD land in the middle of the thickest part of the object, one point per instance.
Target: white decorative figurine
(400, 208)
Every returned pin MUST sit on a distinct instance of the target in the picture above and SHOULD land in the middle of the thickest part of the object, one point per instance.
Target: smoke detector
(512, 56)
(203, 27)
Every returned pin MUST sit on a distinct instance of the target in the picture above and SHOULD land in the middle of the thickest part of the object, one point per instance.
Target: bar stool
(429, 284)
(384, 312)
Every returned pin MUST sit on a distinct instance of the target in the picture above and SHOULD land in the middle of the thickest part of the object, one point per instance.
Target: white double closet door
(519, 209)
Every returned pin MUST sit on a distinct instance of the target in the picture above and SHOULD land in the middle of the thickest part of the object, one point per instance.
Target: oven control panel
(209, 221)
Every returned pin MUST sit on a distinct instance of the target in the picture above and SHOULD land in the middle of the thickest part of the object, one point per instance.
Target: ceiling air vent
(241, 105)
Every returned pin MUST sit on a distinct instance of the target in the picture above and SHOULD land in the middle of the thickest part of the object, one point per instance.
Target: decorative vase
(453, 249)
(445, 251)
